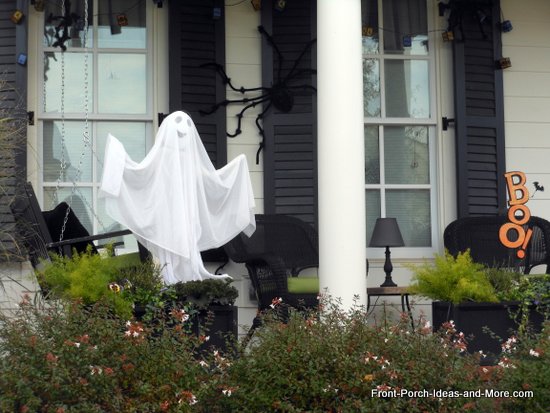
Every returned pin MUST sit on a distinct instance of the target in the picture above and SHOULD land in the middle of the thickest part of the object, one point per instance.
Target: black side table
(402, 292)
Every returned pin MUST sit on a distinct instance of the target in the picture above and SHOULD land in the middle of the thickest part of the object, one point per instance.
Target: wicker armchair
(480, 234)
(274, 255)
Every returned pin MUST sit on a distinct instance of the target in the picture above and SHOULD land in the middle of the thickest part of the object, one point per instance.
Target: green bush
(86, 277)
(75, 358)
(336, 362)
(452, 279)
(525, 365)
(85, 359)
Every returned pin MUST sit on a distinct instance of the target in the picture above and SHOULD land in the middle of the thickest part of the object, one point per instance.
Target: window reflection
(372, 155)
(122, 24)
(74, 79)
(371, 87)
(369, 11)
(407, 88)
(71, 152)
(405, 27)
(411, 207)
(122, 84)
(53, 12)
(406, 155)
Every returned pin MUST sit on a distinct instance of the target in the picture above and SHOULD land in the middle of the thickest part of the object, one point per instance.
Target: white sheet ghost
(174, 201)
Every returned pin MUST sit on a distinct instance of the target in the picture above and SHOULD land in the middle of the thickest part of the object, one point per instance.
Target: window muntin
(399, 121)
(109, 83)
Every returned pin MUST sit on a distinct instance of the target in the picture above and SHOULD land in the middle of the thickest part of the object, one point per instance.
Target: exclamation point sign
(521, 251)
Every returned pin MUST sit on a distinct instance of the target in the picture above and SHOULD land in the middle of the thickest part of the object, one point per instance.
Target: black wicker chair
(280, 248)
(480, 234)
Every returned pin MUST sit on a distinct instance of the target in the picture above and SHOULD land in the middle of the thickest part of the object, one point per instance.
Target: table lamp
(386, 234)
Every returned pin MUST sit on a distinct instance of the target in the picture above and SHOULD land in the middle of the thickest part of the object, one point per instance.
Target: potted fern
(211, 304)
(486, 304)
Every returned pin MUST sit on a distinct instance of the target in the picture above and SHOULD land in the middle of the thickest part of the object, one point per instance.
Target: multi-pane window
(399, 119)
(99, 85)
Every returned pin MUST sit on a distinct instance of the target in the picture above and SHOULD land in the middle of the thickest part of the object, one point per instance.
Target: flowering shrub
(526, 361)
(75, 359)
(81, 359)
(336, 362)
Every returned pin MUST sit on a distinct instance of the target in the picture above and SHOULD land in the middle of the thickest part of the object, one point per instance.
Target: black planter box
(223, 324)
(471, 318)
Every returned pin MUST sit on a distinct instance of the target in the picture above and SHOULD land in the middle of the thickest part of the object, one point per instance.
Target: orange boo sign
(518, 214)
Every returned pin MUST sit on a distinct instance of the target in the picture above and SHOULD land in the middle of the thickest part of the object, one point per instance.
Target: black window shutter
(197, 37)
(479, 109)
(13, 42)
(290, 153)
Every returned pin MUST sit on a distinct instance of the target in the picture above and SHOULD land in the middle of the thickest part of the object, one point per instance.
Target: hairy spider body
(280, 95)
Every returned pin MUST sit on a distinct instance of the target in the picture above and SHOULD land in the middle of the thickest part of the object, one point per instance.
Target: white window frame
(93, 116)
(431, 123)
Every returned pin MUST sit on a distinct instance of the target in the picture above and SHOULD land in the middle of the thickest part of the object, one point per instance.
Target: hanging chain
(63, 163)
(86, 134)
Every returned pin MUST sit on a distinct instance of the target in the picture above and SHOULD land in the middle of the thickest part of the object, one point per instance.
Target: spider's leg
(227, 102)
(313, 88)
(255, 101)
(270, 40)
(308, 46)
(227, 80)
(261, 129)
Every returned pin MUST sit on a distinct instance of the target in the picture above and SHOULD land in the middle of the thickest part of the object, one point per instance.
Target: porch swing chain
(86, 134)
(63, 164)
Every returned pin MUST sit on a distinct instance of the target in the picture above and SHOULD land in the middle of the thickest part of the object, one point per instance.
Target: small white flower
(534, 353)
(77, 345)
(226, 392)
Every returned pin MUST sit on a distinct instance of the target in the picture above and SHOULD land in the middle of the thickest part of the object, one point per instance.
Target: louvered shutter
(13, 41)
(479, 111)
(197, 36)
(290, 153)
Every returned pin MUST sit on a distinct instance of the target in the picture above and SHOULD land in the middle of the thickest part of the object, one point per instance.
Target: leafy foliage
(453, 279)
(73, 358)
(85, 277)
(85, 359)
(203, 293)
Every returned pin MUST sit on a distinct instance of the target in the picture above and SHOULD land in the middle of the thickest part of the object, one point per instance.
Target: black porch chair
(37, 230)
(280, 248)
(480, 234)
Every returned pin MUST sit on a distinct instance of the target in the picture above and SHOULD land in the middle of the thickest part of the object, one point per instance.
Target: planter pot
(223, 324)
(471, 318)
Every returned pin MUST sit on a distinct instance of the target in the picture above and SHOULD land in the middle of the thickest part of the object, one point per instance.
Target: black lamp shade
(386, 234)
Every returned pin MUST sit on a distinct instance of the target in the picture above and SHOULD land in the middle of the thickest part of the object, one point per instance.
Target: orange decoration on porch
(518, 195)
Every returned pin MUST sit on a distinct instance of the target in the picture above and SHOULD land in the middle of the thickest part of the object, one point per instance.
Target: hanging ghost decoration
(174, 201)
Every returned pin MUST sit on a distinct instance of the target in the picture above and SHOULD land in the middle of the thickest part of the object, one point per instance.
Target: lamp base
(388, 283)
(388, 268)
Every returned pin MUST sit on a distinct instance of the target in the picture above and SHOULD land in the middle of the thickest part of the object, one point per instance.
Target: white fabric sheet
(174, 201)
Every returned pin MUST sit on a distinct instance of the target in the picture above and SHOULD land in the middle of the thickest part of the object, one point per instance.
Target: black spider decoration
(65, 23)
(280, 94)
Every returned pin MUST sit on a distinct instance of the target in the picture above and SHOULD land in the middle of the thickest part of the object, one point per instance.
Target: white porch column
(342, 239)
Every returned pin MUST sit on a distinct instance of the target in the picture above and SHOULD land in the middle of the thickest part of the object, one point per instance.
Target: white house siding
(527, 96)
(16, 280)
(243, 66)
